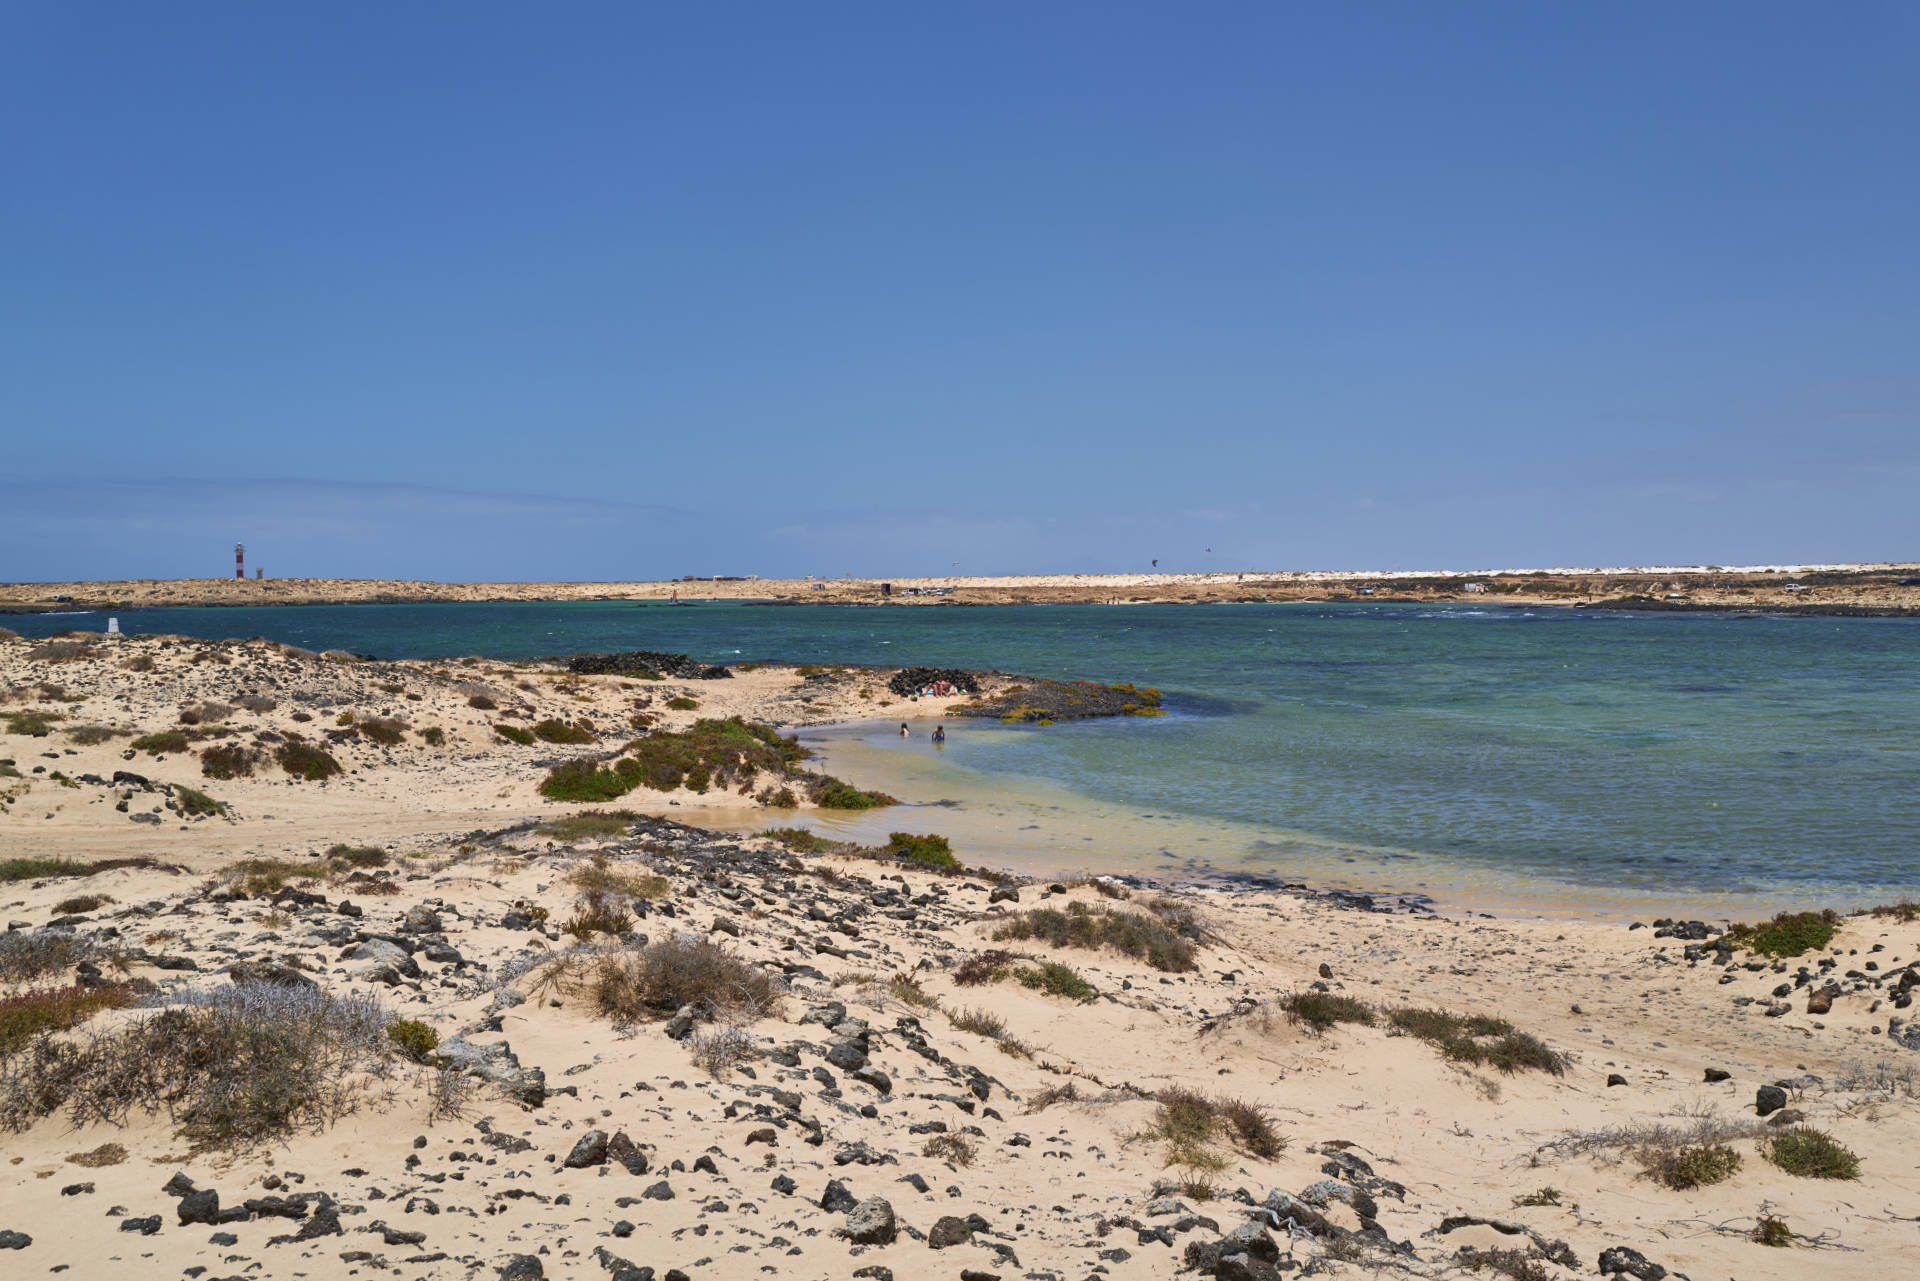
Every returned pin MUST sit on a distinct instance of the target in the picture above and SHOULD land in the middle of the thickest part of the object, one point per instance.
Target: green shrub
(194, 803)
(832, 794)
(171, 740)
(91, 735)
(1478, 1039)
(1056, 979)
(1141, 937)
(800, 840)
(1789, 934)
(1694, 1166)
(1812, 1154)
(482, 703)
(585, 781)
(304, 761)
(230, 760)
(414, 1039)
(81, 903)
(683, 704)
(983, 967)
(515, 734)
(557, 731)
(432, 736)
(358, 856)
(1772, 1231)
(31, 724)
(387, 731)
(1321, 1010)
(933, 851)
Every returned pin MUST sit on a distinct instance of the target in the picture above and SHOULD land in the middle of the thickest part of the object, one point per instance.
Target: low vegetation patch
(801, 841)
(1191, 1125)
(1055, 979)
(983, 967)
(36, 869)
(357, 856)
(172, 740)
(683, 704)
(92, 735)
(81, 903)
(599, 912)
(231, 1066)
(933, 851)
(28, 955)
(414, 1039)
(33, 725)
(388, 731)
(1321, 1010)
(631, 984)
(25, 1015)
(993, 1027)
(589, 825)
(432, 735)
(829, 793)
(515, 734)
(905, 987)
(1811, 1154)
(713, 753)
(1478, 1039)
(196, 804)
(304, 761)
(957, 1148)
(1144, 938)
(1696, 1165)
(558, 731)
(1787, 935)
(230, 760)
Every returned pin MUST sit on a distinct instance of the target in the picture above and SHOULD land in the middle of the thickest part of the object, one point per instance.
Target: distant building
(1474, 589)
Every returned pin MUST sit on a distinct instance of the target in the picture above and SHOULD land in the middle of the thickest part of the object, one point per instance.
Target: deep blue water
(1624, 750)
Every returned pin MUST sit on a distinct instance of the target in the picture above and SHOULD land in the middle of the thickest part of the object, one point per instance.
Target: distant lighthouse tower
(239, 560)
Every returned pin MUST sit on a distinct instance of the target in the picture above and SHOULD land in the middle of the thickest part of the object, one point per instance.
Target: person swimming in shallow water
(939, 733)
(904, 731)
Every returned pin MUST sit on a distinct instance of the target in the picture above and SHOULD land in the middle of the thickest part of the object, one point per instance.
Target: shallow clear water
(1618, 751)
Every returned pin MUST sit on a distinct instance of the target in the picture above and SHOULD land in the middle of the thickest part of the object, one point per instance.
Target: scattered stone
(200, 1207)
(1623, 1261)
(871, 1222)
(591, 1150)
(1769, 1098)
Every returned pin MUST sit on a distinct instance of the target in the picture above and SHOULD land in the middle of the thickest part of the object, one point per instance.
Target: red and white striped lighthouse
(239, 560)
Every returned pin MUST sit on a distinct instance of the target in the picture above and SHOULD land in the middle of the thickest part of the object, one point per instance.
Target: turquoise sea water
(1611, 751)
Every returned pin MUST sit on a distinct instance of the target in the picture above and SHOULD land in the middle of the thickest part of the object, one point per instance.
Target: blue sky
(601, 291)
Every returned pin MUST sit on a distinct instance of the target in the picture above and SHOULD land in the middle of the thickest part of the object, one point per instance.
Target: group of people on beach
(938, 689)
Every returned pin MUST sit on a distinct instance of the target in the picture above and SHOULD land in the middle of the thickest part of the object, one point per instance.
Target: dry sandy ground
(1800, 587)
(1062, 1186)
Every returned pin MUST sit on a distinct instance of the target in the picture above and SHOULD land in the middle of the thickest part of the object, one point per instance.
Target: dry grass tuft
(628, 985)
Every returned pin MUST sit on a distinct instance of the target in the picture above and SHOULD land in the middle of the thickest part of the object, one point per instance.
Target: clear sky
(477, 290)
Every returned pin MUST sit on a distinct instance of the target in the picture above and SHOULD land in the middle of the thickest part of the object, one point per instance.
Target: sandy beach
(852, 1061)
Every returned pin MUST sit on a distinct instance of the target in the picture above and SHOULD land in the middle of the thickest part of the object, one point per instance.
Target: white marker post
(113, 627)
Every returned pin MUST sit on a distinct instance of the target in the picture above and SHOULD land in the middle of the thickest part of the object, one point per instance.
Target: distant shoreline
(1867, 590)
